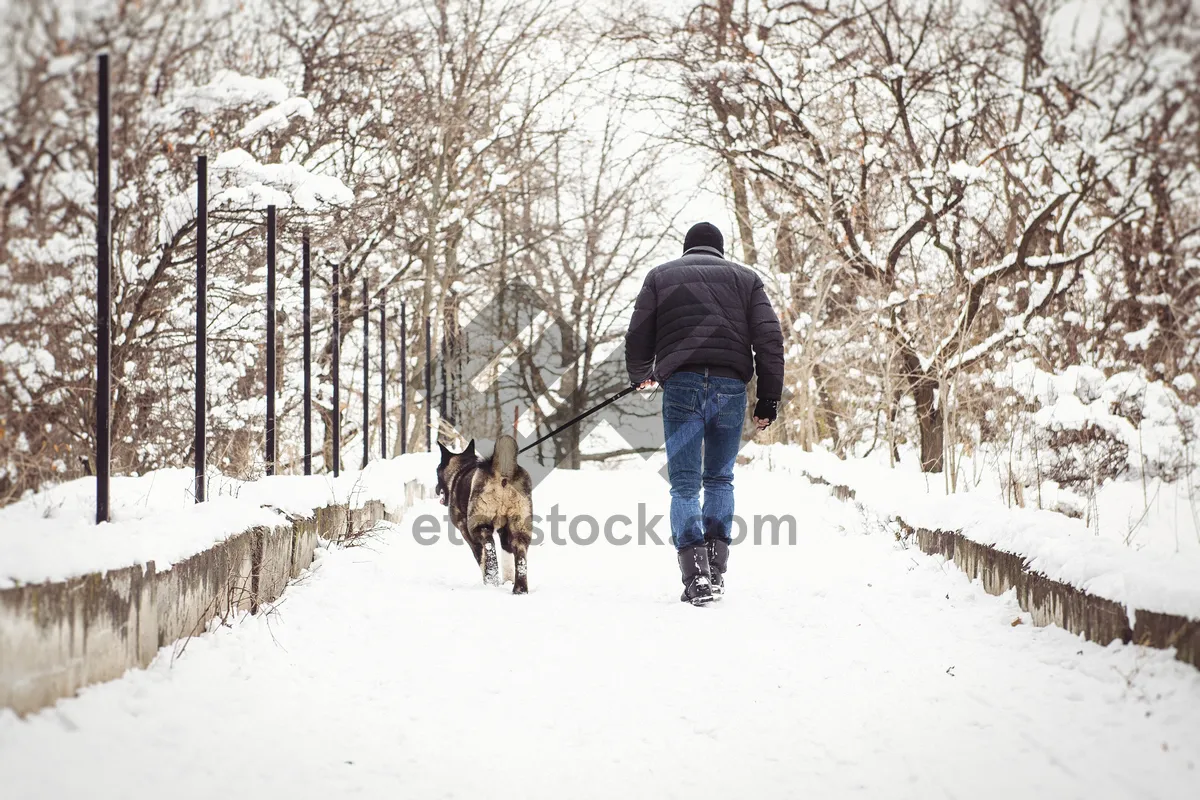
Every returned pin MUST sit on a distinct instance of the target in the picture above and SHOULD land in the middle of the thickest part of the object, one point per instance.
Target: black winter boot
(697, 584)
(718, 562)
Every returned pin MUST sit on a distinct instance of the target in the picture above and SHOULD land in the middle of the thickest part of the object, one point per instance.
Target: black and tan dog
(486, 496)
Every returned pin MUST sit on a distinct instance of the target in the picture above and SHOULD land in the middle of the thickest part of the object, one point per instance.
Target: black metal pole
(366, 425)
(200, 445)
(270, 340)
(383, 448)
(306, 279)
(428, 388)
(337, 357)
(103, 296)
(403, 378)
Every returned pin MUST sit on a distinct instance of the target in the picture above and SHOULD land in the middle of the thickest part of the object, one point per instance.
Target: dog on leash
(489, 496)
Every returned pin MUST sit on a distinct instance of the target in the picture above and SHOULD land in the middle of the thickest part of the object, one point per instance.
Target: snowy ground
(843, 665)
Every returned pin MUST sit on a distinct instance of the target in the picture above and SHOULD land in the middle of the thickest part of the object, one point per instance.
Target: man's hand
(649, 383)
(765, 412)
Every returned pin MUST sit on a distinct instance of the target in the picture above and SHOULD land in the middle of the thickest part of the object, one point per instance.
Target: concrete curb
(57, 637)
(1048, 601)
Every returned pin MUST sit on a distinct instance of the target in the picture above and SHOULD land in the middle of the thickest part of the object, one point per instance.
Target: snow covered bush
(1090, 428)
(1084, 457)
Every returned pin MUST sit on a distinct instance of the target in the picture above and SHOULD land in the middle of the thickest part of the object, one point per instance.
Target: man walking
(702, 326)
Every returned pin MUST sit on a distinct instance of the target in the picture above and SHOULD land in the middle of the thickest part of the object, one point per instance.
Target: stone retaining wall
(1051, 602)
(57, 637)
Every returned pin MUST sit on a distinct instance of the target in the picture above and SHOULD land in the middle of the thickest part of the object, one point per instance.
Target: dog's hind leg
(520, 544)
(487, 557)
(491, 569)
(507, 566)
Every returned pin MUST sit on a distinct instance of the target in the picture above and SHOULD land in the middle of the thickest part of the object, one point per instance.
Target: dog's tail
(504, 457)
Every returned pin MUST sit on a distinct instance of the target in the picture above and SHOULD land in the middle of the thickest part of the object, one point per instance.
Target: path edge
(1048, 601)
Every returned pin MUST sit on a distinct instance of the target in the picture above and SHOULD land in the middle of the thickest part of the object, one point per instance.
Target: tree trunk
(741, 205)
(737, 175)
(930, 421)
(826, 416)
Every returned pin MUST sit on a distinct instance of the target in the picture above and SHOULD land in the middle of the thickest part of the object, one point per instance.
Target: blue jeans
(702, 424)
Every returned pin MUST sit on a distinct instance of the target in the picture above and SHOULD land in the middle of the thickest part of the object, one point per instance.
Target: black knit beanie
(704, 234)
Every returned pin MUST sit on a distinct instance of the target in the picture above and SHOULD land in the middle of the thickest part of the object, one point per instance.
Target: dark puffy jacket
(704, 311)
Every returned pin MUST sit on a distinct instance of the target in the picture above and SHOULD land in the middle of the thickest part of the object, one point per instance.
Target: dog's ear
(446, 454)
(470, 451)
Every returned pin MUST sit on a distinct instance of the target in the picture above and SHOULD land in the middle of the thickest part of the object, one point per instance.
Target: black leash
(587, 413)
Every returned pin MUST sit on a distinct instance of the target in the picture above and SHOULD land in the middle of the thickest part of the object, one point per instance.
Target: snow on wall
(52, 535)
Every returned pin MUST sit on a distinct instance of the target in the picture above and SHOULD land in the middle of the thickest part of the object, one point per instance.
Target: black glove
(766, 409)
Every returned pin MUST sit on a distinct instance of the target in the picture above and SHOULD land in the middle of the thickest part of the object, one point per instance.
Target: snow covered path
(845, 665)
